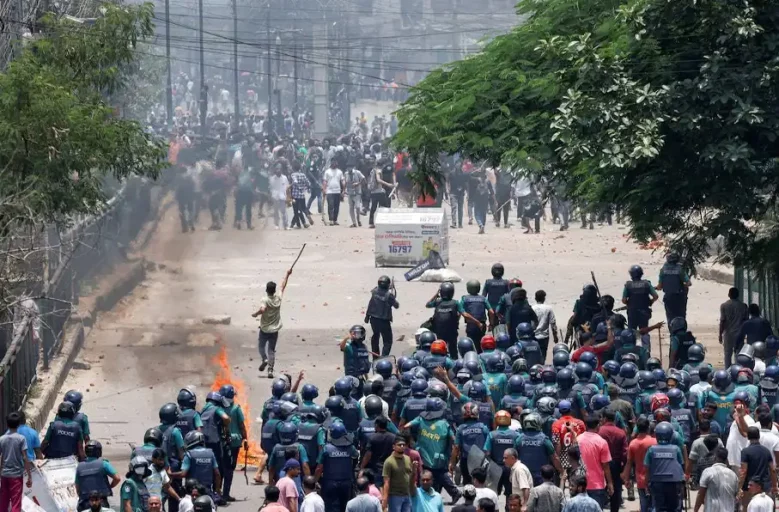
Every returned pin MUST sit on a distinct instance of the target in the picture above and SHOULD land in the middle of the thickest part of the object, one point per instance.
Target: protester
(595, 457)
(313, 501)
(733, 314)
(363, 502)
(718, 486)
(547, 497)
(426, 498)
(14, 464)
(270, 323)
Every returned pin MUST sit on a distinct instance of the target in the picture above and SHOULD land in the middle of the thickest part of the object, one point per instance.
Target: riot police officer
(769, 384)
(497, 286)
(237, 435)
(390, 384)
(64, 436)
(531, 349)
(173, 445)
(565, 391)
(584, 387)
(357, 361)
(681, 341)
(665, 469)
(684, 416)
(535, 448)
(311, 434)
(216, 424)
(335, 469)
(152, 439)
(470, 433)
(638, 295)
(77, 399)
(201, 464)
(134, 490)
(674, 282)
(351, 409)
(446, 316)
(416, 404)
(308, 394)
(475, 309)
(93, 474)
(373, 410)
(496, 444)
(288, 443)
(379, 315)
(188, 419)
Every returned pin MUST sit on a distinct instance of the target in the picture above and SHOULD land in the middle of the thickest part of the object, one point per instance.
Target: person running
(270, 323)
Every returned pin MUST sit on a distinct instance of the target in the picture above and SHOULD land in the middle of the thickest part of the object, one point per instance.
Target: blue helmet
(227, 391)
(513, 353)
(741, 396)
(664, 432)
(733, 372)
(589, 358)
(548, 375)
(583, 370)
(343, 387)
(564, 406)
(612, 368)
(420, 373)
(627, 337)
(337, 430)
(426, 339)
(419, 387)
(516, 384)
(503, 340)
(677, 325)
(316, 413)
(384, 368)
(187, 398)
(646, 380)
(659, 374)
(525, 331)
(696, 353)
(772, 373)
(408, 365)
(653, 363)
(278, 388)
(74, 397)
(335, 404)
(478, 390)
(309, 392)
(465, 345)
(771, 345)
(636, 272)
(721, 380)
(598, 402)
(288, 433)
(628, 371)
(291, 397)
(399, 362)
(560, 360)
(535, 373)
(560, 347)
(601, 332)
(565, 378)
(675, 396)
(406, 379)
(215, 397)
(494, 363)
(473, 366)
(435, 404)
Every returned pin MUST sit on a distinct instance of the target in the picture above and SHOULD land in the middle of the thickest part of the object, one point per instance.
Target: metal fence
(75, 258)
(761, 289)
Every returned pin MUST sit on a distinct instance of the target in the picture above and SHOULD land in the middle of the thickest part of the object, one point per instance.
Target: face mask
(229, 401)
(140, 471)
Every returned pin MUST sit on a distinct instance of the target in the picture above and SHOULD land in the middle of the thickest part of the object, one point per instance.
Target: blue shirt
(424, 502)
(32, 437)
(581, 503)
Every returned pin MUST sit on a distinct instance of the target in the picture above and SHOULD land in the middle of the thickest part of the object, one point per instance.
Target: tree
(665, 109)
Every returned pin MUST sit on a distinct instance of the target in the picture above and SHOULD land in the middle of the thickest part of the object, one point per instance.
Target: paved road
(154, 343)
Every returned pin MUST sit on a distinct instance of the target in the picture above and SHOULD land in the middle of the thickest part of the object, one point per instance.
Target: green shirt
(496, 384)
(236, 420)
(66, 421)
(435, 442)
(270, 320)
(83, 421)
(398, 472)
(130, 493)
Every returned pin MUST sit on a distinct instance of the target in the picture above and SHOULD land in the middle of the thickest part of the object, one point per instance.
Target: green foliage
(665, 108)
(59, 135)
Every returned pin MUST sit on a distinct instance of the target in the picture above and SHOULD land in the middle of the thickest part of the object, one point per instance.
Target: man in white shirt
(521, 478)
(760, 501)
(547, 323)
(768, 438)
(333, 185)
(479, 477)
(278, 192)
(313, 502)
(737, 437)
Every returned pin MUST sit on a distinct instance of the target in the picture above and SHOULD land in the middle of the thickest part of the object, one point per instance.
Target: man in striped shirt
(300, 185)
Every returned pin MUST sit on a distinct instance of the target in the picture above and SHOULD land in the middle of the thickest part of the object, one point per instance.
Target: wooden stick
(296, 259)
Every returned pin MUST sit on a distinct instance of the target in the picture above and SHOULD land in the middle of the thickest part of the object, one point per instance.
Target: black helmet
(465, 345)
(194, 438)
(760, 349)
(153, 436)
(186, 398)
(696, 353)
(202, 504)
(384, 282)
(74, 397)
(636, 272)
(93, 449)
(498, 270)
(427, 338)
(66, 410)
(473, 286)
(357, 332)
(653, 363)
(446, 290)
(169, 413)
(373, 407)
(672, 258)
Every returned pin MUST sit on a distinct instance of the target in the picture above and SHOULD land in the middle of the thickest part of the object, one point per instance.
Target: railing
(761, 289)
(18, 370)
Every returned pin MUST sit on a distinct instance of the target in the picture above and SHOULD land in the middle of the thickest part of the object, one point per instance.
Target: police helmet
(470, 410)
(564, 406)
(646, 380)
(745, 376)
(215, 398)
(418, 334)
(420, 373)
(446, 290)
(477, 391)
(677, 325)
(473, 286)
(627, 337)
(565, 378)
(408, 365)
(560, 360)
(696, 353)
(434, 408)
(772, 345)
(337, 430)
(629, 357)
(535, 373)
(194, 438)
(525, 331)
(746, 357)
(532, 422)
(759, 350)
(290, 397)
(546, 405)
(628, 371)
(488, 342)
(384, 282)
(636, 272)
(439, 348)
(503, 340)
(519, 365)
(288, 432)
(721, 380)
(94, 449)
(653, 363)
(227, 391)
(675, 396)
(548, 375)
(419, 387)
(515, 282)
(74, 397)
(583, 370)
(437, 389)
(426, 339)
(660, 377)
(473, 366)
(502, 418)
(611, 367)
(494, 363)
(318, 412)
(589, 289)
(513, 353)
(672, 258)
(406, 379)
(335, 404)
(741, 396)
(65, 410)
(283, 409)
(598, 402)
(733, 372)
(664, 432)
(169, 414)
(153, 436)
(547, 390)
(343, 387)
(683, 379)
(497, 270)
(560, 347)
(187, 398)
(516, 384)
(138, 462)
(772, 373)
(357, 333)
(465, 345)
(202, 504)
(309, 392)
(278, 388)
(601, 332)
(589, 358)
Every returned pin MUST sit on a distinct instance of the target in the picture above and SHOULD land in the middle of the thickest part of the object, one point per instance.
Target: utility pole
(270, 74)
(236, 103)
(203, 86)
(169, 84)
(321, 84)
(295, 66)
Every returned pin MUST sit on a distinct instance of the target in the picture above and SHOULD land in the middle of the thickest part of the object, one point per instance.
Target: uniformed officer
(479, 394)
(311, 434)
(64, 436)
(93, 474)
(238, 438)
(189, 419)
(77, 398)
(335, 469)
(308, 394)
(535, 448)
(531, 349)
(173, 446)
(515, 394)
(476, 309)
(695, 361)
(496, 287)
(769, 384)
(426, 339)
(496, 444)
(357, 358)
(438, 357)
(583, 386)
(565, 391)
(379, 315)
(665, 470)
(134, 491)
(683, 415)
(681, 341)
(674, 282)
(446, 316)
(638, 295)
(278, 388)
(390, 383)
(470, 433)
(288, 445)
(152, 439)
(628, 345)
(201, 464)
(216, 425)
(351, 409)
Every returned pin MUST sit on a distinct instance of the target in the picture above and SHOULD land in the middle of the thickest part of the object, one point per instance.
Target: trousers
(675, 306)
(243, 203)
(665, 496)
(335, 494)
(381, 328)
(378, 199)
(458, 206)
(280, 210)
(442, 480)
(268, 339)
(333, 206)
(230, 462)
(355, 206)
(298, 212)
(11, 494)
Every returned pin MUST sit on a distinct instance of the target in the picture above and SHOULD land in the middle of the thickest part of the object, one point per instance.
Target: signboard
(54, 485)
(433, 261)
(405, 237)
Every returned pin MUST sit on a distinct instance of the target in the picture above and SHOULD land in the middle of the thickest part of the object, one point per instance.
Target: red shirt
(617, 441)
(564, 433)
(415, 457)
(636, 452)
(598, 351)
(594, 453)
